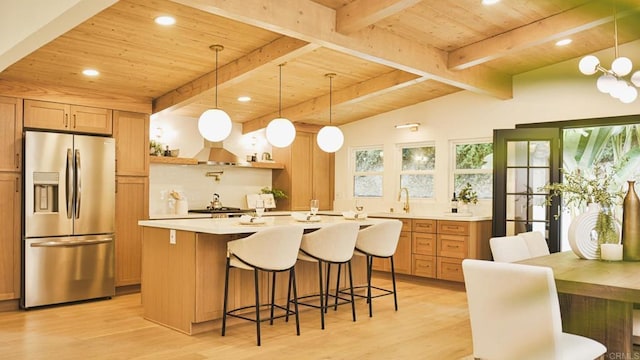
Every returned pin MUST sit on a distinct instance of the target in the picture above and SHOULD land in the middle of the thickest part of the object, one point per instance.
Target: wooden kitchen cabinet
(308, 174)
(10, 237)
(10, 134)
(402, 256)
(132, 204)
(131, 131)
(65, 117)
(423, 242)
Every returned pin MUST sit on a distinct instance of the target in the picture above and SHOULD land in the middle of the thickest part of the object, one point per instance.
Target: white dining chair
(271, 250)
(509, 248)
(536, 243)
(515, 314)
(329, 245)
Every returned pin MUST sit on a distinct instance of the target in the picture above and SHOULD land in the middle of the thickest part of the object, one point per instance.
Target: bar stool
(379, 241)
(271, 250)
(333, 244)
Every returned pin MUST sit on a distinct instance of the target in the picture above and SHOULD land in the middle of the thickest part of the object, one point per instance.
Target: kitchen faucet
(406, 199)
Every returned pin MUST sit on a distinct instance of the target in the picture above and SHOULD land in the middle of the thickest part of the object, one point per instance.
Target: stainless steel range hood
(214, 153)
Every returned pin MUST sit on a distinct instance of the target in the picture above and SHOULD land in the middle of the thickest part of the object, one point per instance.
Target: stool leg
(321, 295)
(393, 278)
(292, 275)
(353, 303)
(369, 266)
(226, 293)
(286, 318)
(255, 280)
(273, 296)
(335, 305)
(326, 294)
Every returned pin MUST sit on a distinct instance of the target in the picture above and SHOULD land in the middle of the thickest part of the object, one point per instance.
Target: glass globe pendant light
(215, 124)
(330, 138)
(280, 132)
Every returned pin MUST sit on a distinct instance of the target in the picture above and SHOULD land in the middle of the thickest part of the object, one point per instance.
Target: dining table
(596, 299)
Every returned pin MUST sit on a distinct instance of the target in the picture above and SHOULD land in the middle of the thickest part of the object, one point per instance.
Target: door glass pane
(511, 210)
(538, 178)
(517, 180)
(538, 208)
(540, 153)
(517, 153)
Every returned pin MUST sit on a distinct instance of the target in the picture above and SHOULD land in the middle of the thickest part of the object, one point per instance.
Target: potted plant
(598, 192)
(467, 196)
(277, 193)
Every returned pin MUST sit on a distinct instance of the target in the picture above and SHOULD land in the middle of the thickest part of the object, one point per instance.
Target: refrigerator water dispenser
(45, 190)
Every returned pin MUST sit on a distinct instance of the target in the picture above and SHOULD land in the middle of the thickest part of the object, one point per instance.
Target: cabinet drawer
(450, 269)
(454, 246)
(406, 224)
(424, 226)
(423, 265)
(453, 227)
(423, 243)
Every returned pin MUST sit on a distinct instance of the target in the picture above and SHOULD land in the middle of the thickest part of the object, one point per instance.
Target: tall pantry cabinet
(11, 195)
(131, 131)
(308, 173)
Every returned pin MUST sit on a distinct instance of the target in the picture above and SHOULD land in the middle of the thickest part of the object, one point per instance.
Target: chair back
(514, 310)
(380, 239)
(509, 248)
(332, 243)
(536, 243)
(272, 248)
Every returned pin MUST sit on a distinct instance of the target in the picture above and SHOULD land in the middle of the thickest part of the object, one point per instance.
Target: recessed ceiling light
(244, 98)
(563, 42)
(490, 2)
(90, 72)
(165, 20)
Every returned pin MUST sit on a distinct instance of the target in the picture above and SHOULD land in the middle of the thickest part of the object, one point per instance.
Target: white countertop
(430, 216)
(233, 226)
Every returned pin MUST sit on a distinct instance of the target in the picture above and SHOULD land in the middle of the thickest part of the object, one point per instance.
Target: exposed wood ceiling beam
(550, 29)
(278, 51)
(362, 13)
(315, 23)
(388, 82)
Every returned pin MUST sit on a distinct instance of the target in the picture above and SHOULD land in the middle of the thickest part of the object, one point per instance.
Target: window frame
(354, 173)
(432, 172)
(453, 165)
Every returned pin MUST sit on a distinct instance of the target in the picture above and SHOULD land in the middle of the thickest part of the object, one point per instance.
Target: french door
(524, 160)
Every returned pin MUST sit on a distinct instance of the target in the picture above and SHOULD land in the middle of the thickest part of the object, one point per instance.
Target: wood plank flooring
(432, 323)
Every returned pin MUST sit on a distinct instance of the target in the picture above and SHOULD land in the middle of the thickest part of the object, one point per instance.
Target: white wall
(554, 93)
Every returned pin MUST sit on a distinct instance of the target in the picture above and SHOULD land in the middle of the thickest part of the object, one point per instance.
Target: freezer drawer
(65, 269)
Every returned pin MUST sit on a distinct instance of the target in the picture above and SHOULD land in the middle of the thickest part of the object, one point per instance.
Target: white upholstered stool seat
(515, 314)
(270, 250)
(329, 245)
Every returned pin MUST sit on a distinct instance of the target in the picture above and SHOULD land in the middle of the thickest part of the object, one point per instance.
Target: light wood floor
(432, 323)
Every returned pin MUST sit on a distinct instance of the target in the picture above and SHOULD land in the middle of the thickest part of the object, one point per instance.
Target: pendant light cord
(280, 92)
(615, 28)
(217, 51)
(330, 96)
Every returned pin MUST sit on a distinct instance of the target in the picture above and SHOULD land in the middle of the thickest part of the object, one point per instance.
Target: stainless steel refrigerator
(68, 229)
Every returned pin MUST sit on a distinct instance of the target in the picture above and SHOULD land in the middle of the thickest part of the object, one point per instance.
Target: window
(417, 170)
(368, 170)
(473, 164)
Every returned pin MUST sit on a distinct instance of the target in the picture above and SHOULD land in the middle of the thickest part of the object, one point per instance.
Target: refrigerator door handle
(69, 183)
(78, 188)
(71, 243)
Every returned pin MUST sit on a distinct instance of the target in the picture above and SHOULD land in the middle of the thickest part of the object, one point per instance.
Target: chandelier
(612, 81)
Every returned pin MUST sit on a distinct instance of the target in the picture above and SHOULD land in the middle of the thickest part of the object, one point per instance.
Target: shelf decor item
(597, 225)
(631, 224)
(466, 197)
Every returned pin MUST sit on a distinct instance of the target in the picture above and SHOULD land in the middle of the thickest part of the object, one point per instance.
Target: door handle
(69, 184)
(78, 184)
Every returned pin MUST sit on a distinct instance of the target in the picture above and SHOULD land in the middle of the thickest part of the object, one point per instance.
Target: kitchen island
(183, 266)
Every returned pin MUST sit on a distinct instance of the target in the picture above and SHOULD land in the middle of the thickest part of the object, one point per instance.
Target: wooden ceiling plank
(278, 51)
(375, 86)
(556, 27)
(315, 23)
(362, 13)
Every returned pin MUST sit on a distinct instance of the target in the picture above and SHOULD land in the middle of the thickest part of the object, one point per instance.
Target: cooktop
(222, 210)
